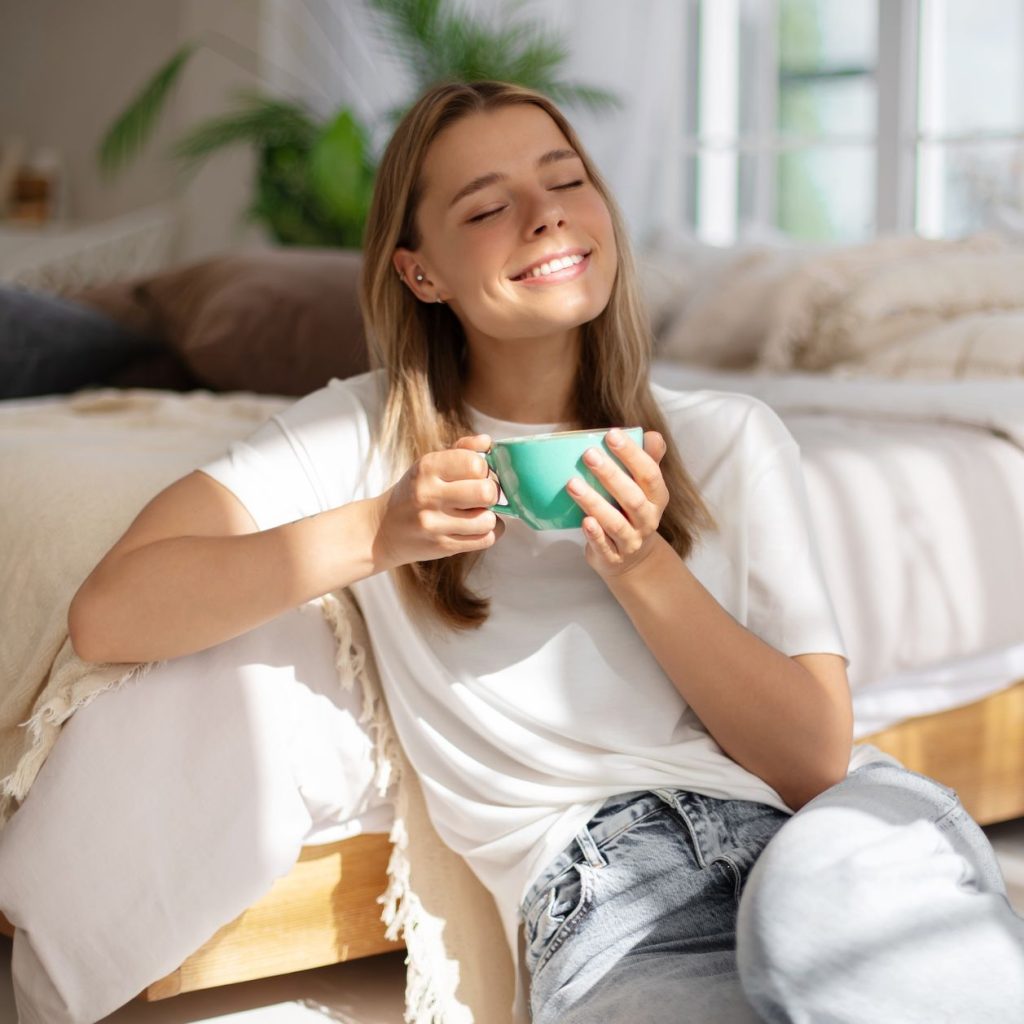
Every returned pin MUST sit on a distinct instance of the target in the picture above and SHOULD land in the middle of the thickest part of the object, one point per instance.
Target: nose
(549, 223)
(549, 213)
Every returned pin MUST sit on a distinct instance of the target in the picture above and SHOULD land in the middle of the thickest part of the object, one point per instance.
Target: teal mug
(533, 471)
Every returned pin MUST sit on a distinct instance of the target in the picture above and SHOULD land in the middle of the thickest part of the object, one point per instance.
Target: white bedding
(187, 793)
(916, 492)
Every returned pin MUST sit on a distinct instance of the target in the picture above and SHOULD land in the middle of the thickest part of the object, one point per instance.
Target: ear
(409, 265)
(405, 262)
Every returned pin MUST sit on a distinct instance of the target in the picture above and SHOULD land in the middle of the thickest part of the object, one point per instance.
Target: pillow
(712, 305)
(276, 321)
(988, 344)
(725, 321)
(273, 321)
(829, 310)
(51, 345)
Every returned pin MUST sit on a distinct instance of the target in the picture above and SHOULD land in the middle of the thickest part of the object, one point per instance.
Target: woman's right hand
(440, 507)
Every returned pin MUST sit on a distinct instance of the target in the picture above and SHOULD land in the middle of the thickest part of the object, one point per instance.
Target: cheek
(599, 222)
(598, 216)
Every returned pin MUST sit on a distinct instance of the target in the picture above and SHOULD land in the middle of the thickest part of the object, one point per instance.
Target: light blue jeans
(878, 902)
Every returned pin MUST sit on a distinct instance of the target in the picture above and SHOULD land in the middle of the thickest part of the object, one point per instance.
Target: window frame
(746, 33)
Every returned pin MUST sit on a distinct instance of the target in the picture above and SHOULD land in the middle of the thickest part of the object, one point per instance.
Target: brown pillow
(277, 321)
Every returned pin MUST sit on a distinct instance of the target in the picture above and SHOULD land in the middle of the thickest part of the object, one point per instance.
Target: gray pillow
(49, 345)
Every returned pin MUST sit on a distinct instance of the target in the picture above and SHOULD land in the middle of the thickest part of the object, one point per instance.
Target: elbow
(797, 798)
(80, 631)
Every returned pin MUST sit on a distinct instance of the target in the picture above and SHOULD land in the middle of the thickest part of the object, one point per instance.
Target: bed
(916, 491)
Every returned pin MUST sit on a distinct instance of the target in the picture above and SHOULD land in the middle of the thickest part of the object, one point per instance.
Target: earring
(419, 277)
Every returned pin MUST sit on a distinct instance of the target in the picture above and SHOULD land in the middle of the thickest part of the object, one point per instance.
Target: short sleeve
(789, 605)
(309, 458)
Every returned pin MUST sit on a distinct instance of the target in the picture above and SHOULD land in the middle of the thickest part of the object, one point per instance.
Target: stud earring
(419, 277)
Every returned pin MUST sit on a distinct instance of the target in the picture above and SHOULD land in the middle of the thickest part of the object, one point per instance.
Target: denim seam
(625, 828)
(737, 878)
(591, 851)
(694, 841)
(571, 922)
(600, 846)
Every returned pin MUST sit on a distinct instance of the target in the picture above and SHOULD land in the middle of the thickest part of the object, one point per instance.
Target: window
(837, 119)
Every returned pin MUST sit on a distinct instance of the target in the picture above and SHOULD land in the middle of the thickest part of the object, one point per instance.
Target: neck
(527, 381)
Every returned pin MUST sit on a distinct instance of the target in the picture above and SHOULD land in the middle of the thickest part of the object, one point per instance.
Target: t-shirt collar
(497, 428)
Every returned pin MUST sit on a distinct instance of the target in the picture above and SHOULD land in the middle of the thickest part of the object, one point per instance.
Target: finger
(609, 518)
(644, 469)
(593, 532)
(654, 445)
(617, 482)
(462, 523)
(468, 494)
(475, 442)
(463, 463)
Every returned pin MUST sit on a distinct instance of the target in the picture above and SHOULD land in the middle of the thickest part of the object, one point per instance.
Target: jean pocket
(565, 901)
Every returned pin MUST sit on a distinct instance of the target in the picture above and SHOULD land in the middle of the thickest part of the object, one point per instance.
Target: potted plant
(314, 176)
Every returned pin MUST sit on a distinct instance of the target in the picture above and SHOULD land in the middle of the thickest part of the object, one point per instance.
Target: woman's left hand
(619, 541)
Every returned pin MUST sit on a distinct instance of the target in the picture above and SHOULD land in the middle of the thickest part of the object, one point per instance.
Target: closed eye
(491, 213)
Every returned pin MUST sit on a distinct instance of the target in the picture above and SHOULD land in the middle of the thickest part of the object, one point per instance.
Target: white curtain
(330, 52)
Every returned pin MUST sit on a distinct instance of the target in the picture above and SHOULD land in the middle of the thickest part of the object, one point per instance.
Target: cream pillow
(842, 303)
(975, 345)
(731, 308)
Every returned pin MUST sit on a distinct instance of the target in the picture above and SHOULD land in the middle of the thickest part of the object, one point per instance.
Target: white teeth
(553, 266)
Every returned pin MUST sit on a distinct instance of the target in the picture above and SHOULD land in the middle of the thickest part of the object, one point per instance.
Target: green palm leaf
(261, 121)
(339, 171)
(438, 44)
(129, 133)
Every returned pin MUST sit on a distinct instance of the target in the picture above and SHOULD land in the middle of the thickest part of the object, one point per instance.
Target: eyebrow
(551, 157)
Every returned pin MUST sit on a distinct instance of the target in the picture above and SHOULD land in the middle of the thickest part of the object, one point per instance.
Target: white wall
(67, 68)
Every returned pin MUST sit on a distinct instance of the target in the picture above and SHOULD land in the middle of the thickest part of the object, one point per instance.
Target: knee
(863, 853)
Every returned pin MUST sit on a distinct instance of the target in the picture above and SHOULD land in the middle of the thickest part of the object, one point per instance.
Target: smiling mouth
(557, 276)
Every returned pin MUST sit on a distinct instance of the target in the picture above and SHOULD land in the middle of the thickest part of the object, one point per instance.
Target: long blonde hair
(422, 346)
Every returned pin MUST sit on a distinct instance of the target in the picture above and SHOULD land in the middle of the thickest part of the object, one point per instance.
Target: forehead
(497, 140)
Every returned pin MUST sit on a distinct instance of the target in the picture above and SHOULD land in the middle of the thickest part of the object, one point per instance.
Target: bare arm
(193, 571)
(789, 720)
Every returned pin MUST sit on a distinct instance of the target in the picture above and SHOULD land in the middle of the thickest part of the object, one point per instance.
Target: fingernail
(615, 437)
(592, 457)
(576, 485)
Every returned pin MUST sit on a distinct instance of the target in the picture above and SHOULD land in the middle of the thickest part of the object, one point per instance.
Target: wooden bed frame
(325, 911)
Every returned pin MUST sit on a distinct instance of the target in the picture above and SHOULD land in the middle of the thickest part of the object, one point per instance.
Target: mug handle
(506, 509)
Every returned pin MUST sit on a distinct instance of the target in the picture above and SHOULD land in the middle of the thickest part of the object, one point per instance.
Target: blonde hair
(422, 346)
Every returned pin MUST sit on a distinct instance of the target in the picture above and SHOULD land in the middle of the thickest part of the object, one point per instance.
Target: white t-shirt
(519, 730)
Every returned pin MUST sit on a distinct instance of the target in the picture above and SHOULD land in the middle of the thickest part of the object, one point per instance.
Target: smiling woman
(610, 724)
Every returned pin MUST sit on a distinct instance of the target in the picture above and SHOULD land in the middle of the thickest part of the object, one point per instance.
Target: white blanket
(917, 498)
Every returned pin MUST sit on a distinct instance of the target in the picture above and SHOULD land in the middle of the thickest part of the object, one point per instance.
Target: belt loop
(594, 857)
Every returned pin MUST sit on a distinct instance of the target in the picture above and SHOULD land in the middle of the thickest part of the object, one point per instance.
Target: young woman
(613, 725)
